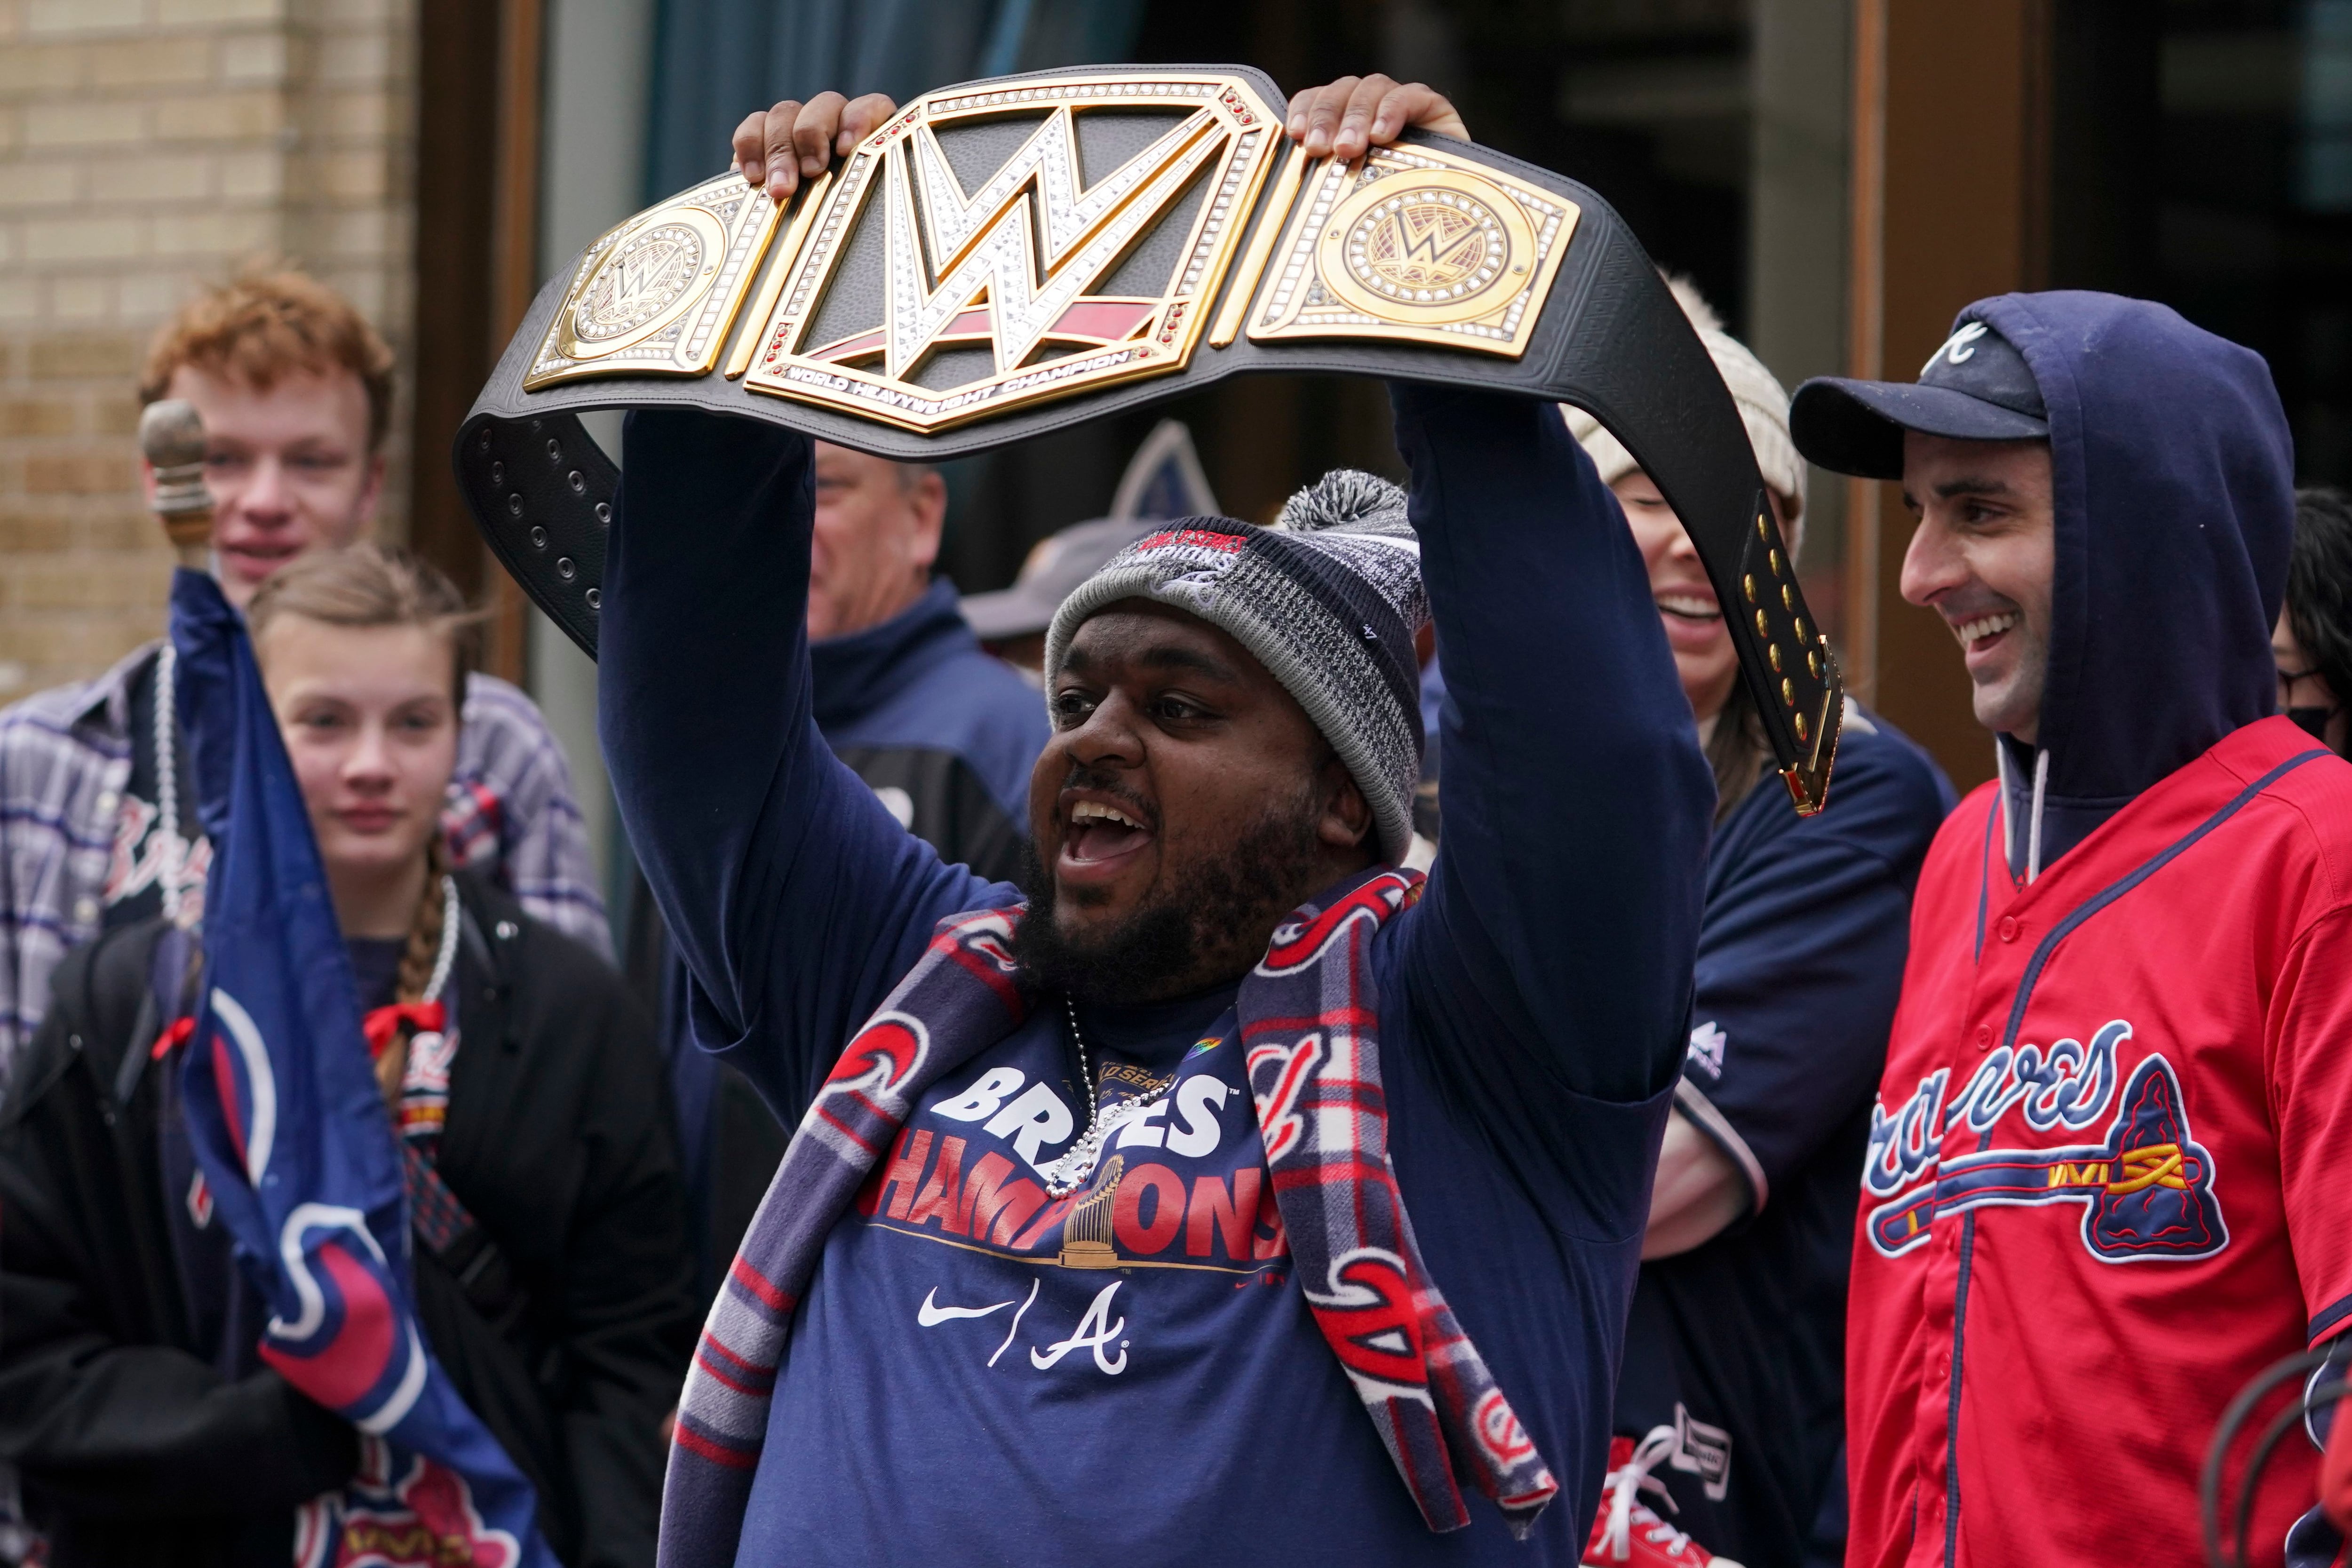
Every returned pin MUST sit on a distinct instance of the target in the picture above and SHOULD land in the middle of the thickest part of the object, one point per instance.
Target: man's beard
(1216, 917)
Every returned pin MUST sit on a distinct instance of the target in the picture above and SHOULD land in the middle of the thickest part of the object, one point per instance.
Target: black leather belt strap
(1601, 331)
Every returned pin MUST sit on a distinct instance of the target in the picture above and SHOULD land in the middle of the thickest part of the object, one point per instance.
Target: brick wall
(148, 147)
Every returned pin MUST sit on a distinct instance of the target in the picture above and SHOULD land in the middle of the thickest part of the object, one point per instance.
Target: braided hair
(362, 587)
(424, 949)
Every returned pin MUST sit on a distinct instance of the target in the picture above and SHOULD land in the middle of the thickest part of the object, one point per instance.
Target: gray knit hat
(1328, 599)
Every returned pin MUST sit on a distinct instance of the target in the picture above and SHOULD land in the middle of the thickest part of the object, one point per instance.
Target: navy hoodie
(950, 1394)
(943, 731)
(2170, 463)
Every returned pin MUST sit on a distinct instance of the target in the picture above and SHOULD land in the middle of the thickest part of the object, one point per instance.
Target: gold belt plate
(929, 281)
(1028, 267)
(658, 294)
(1414, 244)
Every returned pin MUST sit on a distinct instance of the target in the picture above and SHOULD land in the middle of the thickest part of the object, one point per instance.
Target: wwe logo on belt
(1063, 281)
(987, 248)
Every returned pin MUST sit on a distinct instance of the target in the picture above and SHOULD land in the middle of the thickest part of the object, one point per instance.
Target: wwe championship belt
(1008, 258)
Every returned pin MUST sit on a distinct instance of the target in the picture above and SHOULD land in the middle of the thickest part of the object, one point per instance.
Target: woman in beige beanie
(1693, 621)
(1727, 1410)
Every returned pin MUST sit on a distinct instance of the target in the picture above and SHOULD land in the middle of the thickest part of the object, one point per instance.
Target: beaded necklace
(1076, 1166)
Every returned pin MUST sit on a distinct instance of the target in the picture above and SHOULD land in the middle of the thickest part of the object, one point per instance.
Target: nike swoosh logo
(931, 1315)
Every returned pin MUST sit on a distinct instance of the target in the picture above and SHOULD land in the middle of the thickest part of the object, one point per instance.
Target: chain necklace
(1074, 1169)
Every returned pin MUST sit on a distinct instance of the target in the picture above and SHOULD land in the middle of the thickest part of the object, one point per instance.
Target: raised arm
(795, 896)
(1563, 910)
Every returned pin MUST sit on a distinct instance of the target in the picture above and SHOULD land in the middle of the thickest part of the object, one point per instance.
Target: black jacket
(134, 1450)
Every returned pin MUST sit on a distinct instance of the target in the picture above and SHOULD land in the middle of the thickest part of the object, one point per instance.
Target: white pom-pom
(1346, 500)
(1694, 303)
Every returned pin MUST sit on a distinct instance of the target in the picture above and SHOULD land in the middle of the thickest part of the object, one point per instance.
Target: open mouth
(1979, 634)
(1691, 607)
(1096, 831)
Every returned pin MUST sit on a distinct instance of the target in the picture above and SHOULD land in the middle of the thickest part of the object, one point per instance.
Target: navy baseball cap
(1976, 387)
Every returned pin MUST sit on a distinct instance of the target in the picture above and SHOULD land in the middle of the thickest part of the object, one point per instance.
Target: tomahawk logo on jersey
(2146, 1192)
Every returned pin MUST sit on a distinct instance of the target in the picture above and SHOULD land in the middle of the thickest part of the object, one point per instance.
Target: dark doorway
(2242, 219)
(457, 122)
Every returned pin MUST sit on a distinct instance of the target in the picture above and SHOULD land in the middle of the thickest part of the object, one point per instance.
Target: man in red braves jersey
(2098, 1198)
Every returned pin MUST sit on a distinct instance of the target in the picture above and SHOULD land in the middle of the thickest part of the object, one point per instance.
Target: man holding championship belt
(1222, 1192)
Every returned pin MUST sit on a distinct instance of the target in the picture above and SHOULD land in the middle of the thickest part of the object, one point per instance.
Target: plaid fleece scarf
(1309, 1016)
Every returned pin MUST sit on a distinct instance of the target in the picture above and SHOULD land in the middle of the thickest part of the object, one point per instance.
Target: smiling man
(295, 389)
(2121, 1034)
(1094, 1241)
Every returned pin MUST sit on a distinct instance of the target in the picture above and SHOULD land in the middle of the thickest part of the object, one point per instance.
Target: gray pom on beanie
(1328, 600)
(1346, 498)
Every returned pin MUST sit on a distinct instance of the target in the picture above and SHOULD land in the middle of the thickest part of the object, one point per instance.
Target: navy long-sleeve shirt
(1738, 1345)
(951, 1389)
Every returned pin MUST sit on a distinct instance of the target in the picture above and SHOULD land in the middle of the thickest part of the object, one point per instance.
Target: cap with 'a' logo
(1975, 387)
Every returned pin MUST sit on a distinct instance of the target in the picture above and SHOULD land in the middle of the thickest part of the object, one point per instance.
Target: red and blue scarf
(1310, 1022)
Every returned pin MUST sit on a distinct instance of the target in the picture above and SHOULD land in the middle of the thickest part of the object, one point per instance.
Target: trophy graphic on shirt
(1087, 1234)
(171, 439)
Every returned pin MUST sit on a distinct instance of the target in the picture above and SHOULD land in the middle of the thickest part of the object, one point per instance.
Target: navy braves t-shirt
(1003, 1345)
(977, 1374)
(1148, 1318)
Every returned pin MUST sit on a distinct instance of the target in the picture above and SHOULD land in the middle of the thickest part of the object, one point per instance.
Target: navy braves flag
(295, 1143)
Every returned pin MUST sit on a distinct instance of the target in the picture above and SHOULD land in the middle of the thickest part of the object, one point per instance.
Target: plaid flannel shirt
(65, 757)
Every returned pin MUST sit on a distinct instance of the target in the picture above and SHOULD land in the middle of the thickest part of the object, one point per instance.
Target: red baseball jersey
(2100, 1194)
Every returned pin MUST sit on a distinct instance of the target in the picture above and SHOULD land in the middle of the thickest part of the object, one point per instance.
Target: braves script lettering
(2146, 1191)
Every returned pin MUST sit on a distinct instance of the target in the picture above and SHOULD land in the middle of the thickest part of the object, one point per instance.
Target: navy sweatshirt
(943, 731)
(951, 1393)
(2172, 509)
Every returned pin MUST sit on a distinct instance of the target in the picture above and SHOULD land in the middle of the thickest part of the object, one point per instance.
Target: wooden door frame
(1950, 204)
(479, 85)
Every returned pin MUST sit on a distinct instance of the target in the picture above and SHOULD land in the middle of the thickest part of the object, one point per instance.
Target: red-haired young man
(97, 828)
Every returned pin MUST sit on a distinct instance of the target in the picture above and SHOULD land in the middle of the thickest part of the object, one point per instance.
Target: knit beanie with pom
(1763, 408)
(1328, 599)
